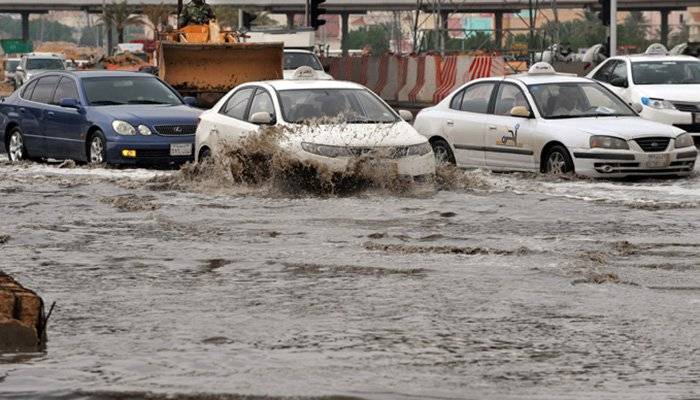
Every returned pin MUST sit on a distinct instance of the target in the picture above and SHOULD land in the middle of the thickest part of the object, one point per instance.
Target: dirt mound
(21, 317)
(69, 50)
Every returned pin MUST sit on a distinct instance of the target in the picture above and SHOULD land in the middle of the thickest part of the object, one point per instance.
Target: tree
(634, 31)
(227, 16)
(157, 16)
(119, 15)
(374, 36)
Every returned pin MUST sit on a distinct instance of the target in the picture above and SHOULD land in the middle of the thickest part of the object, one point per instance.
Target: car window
(666, 72)
(618, 77)
(294, 60)
(45, 63)
(66, 89)
(43, 92)
(476, 98)
(119, 90)
(456, 102)
(262, 102)
(577, 100)
(332, 105)
(236, 105)
(509, 96)
(27, 92)
(603, 73)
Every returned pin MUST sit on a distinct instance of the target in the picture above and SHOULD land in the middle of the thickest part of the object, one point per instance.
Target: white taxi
(668, 87)
(322, 121)
(554, 123)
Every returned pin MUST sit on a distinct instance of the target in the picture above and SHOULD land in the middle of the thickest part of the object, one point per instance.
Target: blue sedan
(98, 117)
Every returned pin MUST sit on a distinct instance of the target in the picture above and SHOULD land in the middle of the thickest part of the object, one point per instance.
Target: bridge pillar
(344, 32)
(25, 25)
(498, 29)
(664, 26)
(290, 20)
(445, 34)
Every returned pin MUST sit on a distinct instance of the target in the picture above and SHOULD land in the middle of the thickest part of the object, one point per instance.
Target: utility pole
(419, 3)
(555, 11)
(613, 28)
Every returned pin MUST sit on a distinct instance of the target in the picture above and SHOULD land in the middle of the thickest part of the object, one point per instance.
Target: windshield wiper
(105, 103)
(145, 102)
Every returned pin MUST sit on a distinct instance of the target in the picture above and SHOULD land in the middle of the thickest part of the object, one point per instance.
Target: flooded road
(516, 286)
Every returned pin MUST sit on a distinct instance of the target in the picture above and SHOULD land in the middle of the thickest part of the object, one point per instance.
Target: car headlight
(123, 128)
(684, 140)
(326, 151)
(419, 149)
(659, 104)
(608, 142)
(144, 130)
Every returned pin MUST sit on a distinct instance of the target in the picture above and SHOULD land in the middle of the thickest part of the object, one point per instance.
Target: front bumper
(688, 121)
(599, 163)
(417, 167)
(150, 150)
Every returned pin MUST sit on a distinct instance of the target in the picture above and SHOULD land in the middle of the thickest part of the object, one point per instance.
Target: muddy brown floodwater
(509, 286)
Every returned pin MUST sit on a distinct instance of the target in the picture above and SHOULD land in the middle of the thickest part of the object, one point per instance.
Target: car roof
(42, 55)
(534, 79)
(654, 57)
(103, 73)
(290, 84)
(298, 51)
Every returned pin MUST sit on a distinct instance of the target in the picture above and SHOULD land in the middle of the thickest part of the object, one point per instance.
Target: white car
(668, 87)
(555, 123)
(349, 121)
(292, 59)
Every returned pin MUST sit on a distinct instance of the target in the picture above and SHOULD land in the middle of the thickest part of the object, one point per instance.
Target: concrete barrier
(372, 72)
(415, 73)
(448, 78)
(382, 75)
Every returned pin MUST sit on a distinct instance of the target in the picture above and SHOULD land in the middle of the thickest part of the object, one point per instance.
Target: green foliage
(227, 16)
(580, 33)
(119, 15)
(51, 31)
(376, 36)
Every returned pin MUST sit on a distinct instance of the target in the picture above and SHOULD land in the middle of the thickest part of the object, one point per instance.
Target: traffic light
(604, 13)
(247, 19)
(315, 12)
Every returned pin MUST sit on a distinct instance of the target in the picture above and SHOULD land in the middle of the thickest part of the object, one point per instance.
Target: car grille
(689, 127)
(653, 144)
(687, 107)
(176, 130)
(381, 152)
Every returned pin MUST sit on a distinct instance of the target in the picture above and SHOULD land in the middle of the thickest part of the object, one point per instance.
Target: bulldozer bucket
(206, 69)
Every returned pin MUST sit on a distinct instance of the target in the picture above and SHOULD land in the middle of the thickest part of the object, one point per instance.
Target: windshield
(11, 65)
(577, 100)
(107, 91)
(45, 63)
(339, 105)
(666, 72)
(296, 60)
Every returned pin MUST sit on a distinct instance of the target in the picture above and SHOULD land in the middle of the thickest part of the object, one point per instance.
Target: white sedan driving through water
(554, 123)
(321, 121)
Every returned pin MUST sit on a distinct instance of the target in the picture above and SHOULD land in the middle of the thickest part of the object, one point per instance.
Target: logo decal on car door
(511, 140)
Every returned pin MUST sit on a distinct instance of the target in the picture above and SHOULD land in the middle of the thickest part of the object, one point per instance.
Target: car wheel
(16, 150)
(558, 161)
(97, 148)
(204, 154)
(443, 152)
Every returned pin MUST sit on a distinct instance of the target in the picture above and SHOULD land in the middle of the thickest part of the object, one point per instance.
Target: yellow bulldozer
(206, 62)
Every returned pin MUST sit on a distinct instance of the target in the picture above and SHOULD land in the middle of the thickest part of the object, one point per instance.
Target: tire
(97, 148)
(16, 149)
(204, 154)
(443, 152)
(557, 161)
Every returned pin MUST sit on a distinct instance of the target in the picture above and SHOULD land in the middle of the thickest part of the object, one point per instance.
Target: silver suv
(33, 64)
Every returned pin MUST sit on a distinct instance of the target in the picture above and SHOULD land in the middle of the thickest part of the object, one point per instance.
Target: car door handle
(450, 122)
(51, 114)
(492, 127)
(22, 109)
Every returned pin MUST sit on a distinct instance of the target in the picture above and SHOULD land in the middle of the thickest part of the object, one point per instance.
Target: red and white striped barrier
(415, 79)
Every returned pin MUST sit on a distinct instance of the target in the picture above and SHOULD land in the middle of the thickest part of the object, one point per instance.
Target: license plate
(657, 161)
(181, 149)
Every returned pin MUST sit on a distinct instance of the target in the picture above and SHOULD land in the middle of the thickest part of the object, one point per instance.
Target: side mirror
(619, 82)
(69, 103)
(637, 108)
(190, 101)
(261, 118)
(520, 111)
(406, 115)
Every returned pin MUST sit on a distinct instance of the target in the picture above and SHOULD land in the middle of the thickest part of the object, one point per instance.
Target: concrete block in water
(21, 318)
